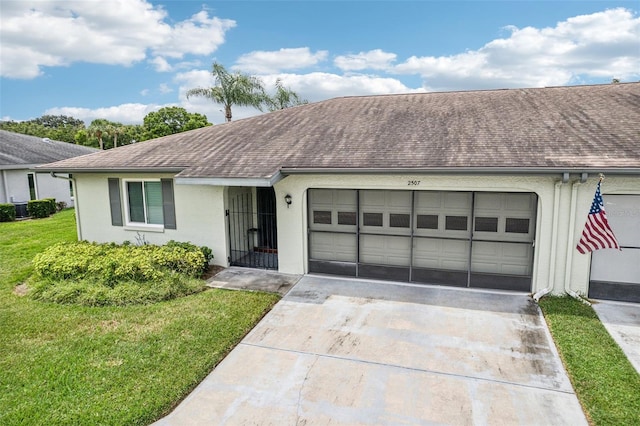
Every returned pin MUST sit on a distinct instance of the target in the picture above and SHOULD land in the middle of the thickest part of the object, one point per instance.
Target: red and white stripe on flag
(597, 233)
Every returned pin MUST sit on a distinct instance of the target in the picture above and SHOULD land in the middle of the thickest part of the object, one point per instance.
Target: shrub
(39, 208)
(110, 274)
(207, 253)
(53, 208)
(7, 212)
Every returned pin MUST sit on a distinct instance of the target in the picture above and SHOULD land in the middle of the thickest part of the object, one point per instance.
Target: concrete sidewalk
(622, 321)
(355, 352)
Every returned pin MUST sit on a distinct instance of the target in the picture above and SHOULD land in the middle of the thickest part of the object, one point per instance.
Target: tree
(170, 120)
(284, 98)
(56, 127)
(232, 89)
(98, 128)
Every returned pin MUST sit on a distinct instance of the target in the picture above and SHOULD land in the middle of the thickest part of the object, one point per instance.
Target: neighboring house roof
(18, 150)
(579, 128)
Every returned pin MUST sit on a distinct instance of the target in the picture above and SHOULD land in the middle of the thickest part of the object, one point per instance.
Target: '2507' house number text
(413, 182)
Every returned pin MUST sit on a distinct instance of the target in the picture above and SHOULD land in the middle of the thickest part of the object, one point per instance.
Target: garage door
(455, 238)
(615, 274)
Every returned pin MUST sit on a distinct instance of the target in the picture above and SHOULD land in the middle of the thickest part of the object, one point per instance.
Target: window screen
(372, 219)
(153, 196)
(145, 202)
(486, 224)
(346, 218)
(518, 226)
(136, 202)
(399, 220)
(427, 221)
(456, 223)
(322, 217)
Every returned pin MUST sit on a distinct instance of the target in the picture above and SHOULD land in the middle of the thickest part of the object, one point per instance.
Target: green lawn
(606, 383)
(119, 365)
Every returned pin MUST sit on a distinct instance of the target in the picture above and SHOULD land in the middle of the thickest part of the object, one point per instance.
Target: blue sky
(121, 59)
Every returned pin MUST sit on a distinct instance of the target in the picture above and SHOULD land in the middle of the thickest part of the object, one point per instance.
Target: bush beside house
(109, 274)
(7, 212)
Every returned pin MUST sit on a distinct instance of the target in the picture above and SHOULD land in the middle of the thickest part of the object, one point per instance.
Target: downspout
(554, 247)
(570, 247)
(76, 201)
(6, 186)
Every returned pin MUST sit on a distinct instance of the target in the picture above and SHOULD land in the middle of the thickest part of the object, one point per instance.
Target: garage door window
(372, 219)
(486, 224)
(456, 223)
(427, 221)
(323, 217)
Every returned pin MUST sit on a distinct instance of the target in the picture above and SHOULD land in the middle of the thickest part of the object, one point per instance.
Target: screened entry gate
(466, 239)
(252, 232)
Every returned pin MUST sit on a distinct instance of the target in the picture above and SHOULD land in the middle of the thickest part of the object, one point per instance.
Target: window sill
(144, 228)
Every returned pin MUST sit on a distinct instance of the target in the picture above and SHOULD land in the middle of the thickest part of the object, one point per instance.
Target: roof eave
(45, 169)
(459, 170)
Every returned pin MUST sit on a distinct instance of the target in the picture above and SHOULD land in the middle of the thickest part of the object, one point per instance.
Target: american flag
(597, 233)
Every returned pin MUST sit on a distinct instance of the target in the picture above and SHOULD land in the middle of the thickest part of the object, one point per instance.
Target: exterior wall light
(287, 199)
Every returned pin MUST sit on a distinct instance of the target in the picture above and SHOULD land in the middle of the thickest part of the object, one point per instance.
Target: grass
(606, 383)
(66, 364)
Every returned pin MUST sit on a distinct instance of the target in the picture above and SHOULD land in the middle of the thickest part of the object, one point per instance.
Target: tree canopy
(56, 127)
(170, 120)
(106, 134)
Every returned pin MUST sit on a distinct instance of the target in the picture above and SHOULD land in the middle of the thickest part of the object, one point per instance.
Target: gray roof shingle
(587, 127)
(17, 149)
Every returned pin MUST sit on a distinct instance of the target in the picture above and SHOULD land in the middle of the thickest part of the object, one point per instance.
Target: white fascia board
(259, 182)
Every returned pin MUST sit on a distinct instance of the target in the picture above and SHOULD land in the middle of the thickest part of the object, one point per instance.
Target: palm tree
(284, 98)
(97, 128)
(232, 89)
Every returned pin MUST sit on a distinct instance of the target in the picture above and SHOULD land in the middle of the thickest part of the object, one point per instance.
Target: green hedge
(110, 274)
(39, 208)
(53, 208)
(7, 212)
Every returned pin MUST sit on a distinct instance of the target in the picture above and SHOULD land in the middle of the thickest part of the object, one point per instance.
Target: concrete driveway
(622, 321)
(354, 352)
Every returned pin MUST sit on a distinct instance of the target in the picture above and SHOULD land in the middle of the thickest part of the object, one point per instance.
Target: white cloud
(117, 32)
(376, 59)
(160, 64)
(600, 45)
(267, 62)
(132, 113)
(164, 88)
(318, 85)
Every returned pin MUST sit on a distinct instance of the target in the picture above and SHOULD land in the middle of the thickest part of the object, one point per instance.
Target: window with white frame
(144, 202)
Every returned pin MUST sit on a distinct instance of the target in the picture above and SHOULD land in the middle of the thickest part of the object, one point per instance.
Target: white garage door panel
(616, 266)
(338, 247)
(501, 258)
(385, 250)
(441, 254)
(623, 212)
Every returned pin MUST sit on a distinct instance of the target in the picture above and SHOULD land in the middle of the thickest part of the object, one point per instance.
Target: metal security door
(252, 232)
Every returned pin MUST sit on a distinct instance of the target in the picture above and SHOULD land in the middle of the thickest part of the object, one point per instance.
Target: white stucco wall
(576, 273)
(14, 187)
(200, 215)
(562, 210)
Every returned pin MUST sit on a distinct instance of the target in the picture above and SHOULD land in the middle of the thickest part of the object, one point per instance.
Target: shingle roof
(17, 149)
(586, 127)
